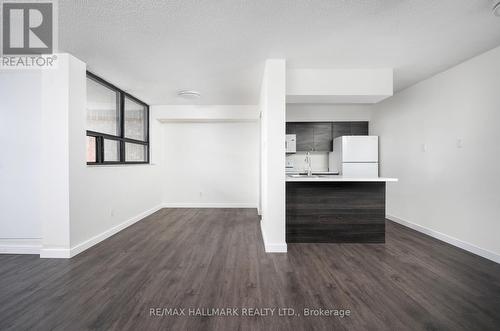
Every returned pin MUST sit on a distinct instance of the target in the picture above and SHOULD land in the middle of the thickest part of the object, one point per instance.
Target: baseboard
(448, 239)
(209, 205)
(75, 250)
(272, 247)
(55, 253)
(20, 246)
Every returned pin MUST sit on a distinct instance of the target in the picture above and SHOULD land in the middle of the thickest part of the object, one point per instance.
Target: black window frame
(99, 136)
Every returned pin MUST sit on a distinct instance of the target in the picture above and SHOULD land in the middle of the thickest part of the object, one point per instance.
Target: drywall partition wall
(20, 173)
(327, 112)
(342, 86)
(272, 106)
(106, 199)
(54, 197)
(211, 164)
(441, 137)
(213, 153)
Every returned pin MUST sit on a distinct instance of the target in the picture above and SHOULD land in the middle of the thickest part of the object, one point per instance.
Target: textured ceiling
(154, 48)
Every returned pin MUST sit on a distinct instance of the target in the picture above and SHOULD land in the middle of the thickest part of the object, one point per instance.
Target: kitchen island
(335, 209)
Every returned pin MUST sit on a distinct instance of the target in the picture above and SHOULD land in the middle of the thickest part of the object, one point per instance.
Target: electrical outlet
(460, 143)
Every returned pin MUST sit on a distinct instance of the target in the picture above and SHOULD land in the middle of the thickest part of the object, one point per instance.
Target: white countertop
(338, 178)
(314, 172)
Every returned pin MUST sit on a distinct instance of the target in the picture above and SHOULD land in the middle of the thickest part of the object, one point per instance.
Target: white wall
(212, 153)
(441, 139)
(338, 85)
(82, 205)
(20, 158)
(105, 199)
(211, 164)
(272, 106)
(327, 112)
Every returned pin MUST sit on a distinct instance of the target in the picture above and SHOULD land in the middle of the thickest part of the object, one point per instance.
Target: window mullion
(148, 152)
(99, 149)
(122, 127)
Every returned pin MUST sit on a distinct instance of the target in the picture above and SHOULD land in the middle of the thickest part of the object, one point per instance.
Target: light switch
(424, 148)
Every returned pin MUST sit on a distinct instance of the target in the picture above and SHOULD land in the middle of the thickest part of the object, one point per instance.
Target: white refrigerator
(355, 156)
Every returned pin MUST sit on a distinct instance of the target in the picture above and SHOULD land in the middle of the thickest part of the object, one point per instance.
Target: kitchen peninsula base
(335, 211)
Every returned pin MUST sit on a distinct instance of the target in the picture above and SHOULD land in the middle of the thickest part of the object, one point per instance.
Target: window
(135, 120)
(103, 108)
(117, 125)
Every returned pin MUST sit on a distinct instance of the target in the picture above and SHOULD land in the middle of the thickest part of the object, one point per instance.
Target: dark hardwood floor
(214, 258)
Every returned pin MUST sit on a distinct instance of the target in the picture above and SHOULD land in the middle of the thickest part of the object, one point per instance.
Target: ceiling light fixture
(189, 94)
(496, 9)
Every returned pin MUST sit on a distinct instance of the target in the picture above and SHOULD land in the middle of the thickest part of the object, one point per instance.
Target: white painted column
(57, 105)
(273, 106)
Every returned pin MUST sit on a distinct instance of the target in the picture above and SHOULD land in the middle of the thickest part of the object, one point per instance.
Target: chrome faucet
(308, 164)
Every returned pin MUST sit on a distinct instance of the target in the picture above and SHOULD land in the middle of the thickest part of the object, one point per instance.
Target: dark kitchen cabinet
(359, 128)
(318, 136)
(305, 137)
(335, 212)
(322, 133)
(340, 129)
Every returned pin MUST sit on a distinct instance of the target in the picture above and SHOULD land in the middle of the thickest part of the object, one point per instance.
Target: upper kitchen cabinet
(311, 136)
(322, 136)
(318, 136)
(340, 129)
(305, 136)
(359, 128)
